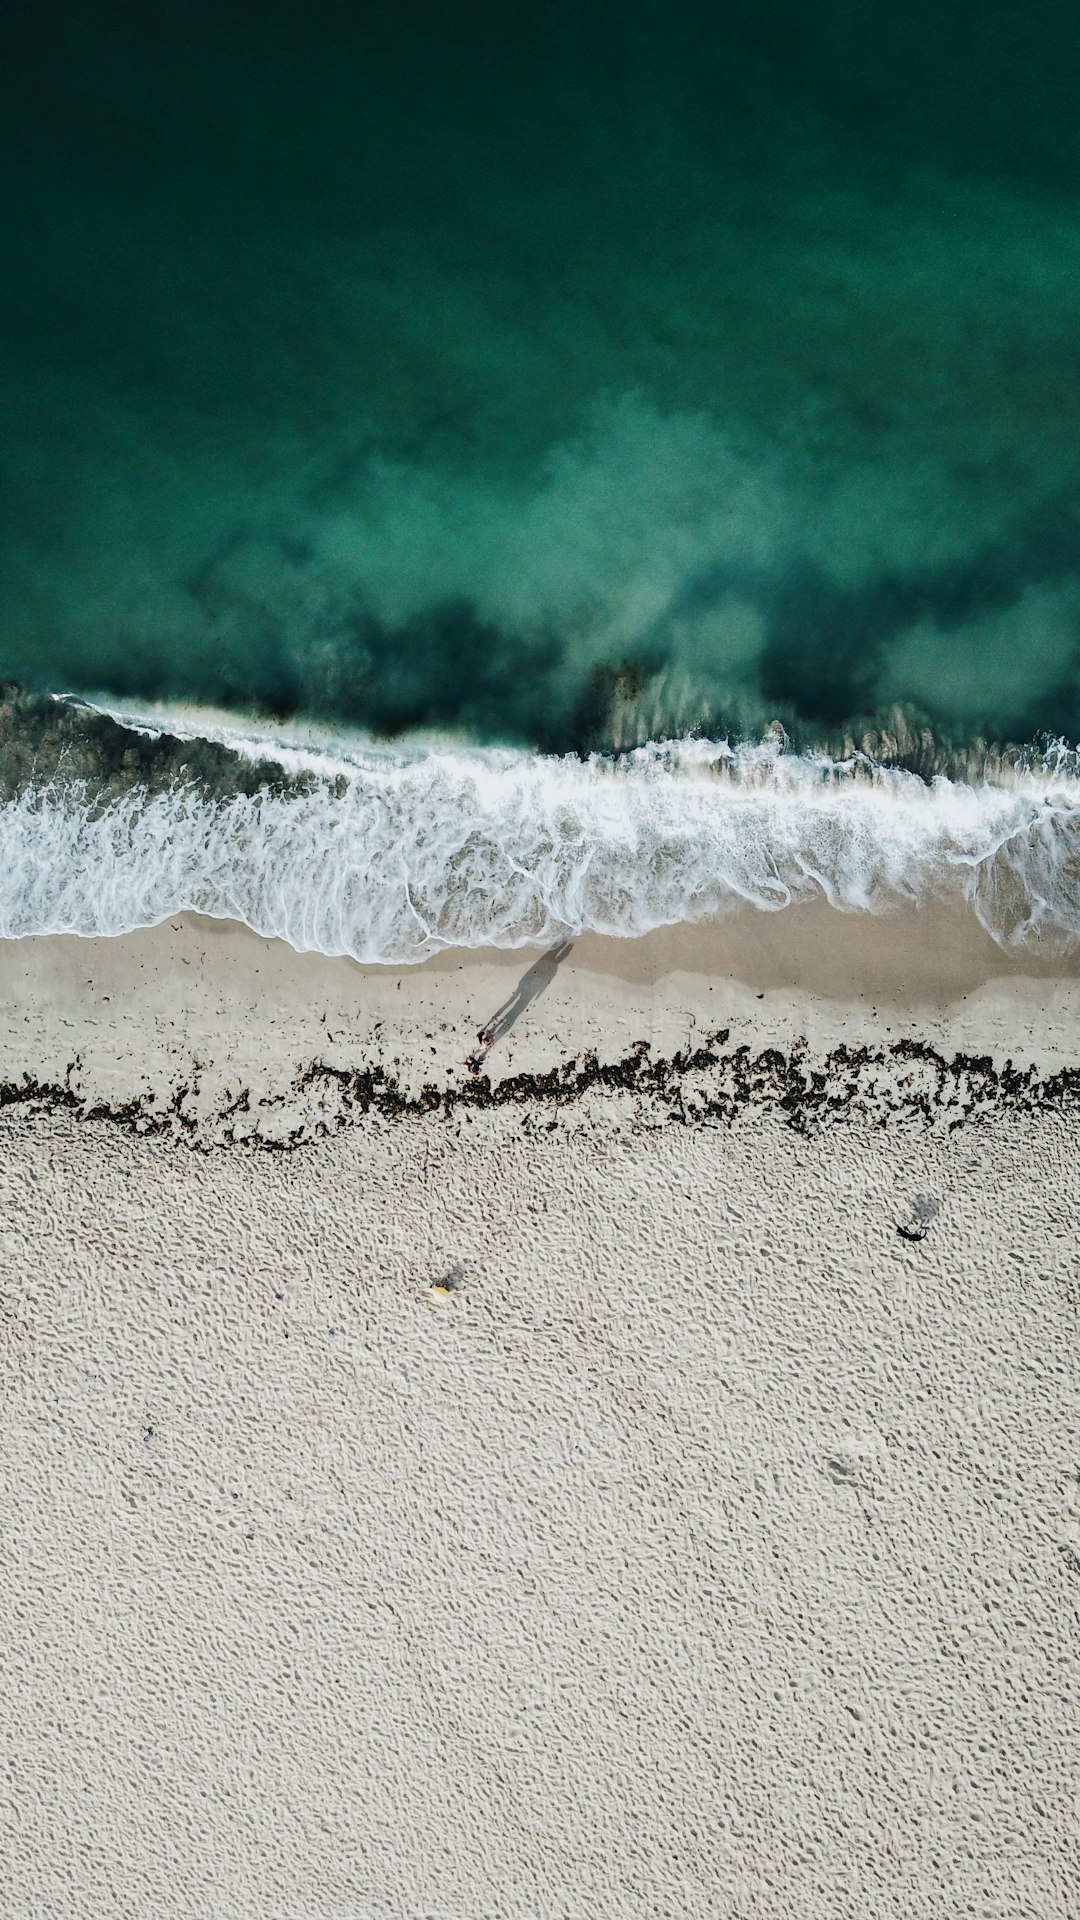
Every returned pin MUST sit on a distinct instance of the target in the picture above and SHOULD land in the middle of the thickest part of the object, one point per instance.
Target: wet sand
(205, 1024)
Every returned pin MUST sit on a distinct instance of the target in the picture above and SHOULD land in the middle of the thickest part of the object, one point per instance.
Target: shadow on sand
(529, 988)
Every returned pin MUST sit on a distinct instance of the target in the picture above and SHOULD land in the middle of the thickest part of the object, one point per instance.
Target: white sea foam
(396, 856)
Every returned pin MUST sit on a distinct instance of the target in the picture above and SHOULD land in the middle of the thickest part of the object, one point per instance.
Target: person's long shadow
(531, 985)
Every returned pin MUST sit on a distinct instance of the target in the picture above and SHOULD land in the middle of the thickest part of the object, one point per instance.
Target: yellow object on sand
(439, 1293)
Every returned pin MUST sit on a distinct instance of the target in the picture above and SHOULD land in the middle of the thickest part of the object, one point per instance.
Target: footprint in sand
(860, 1461)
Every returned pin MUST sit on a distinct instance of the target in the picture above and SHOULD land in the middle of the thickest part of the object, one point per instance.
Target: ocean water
(474, 472)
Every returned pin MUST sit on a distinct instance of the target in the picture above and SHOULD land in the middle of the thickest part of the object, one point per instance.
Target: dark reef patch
(47, 743)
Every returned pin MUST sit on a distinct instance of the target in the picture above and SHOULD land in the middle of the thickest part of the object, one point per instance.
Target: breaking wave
(391, 855)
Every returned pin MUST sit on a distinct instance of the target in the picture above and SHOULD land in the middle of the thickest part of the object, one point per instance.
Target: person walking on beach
(476, 1060)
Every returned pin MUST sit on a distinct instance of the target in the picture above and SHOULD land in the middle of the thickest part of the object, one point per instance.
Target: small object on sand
(444, 1289)
(924, 1208)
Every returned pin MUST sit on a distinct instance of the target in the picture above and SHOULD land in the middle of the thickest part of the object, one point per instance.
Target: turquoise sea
(474, 471)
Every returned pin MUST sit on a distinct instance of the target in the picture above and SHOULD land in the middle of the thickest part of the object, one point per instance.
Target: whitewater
(391, 855)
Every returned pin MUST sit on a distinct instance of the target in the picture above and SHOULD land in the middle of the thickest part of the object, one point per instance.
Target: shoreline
(203, 1028)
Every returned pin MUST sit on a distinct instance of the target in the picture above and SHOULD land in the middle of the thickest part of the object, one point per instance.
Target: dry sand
(712, 1549)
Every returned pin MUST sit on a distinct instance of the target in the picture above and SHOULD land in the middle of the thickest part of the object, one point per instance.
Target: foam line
(390, 858)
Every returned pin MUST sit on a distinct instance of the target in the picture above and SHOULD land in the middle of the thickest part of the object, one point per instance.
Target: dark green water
(561, 374)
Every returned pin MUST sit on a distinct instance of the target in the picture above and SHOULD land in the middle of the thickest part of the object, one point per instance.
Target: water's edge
(109, 823)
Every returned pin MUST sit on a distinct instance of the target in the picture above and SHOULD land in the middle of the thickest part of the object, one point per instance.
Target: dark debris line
(923, 1085)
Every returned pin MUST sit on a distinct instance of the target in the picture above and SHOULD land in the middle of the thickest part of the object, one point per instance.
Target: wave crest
(390, 858)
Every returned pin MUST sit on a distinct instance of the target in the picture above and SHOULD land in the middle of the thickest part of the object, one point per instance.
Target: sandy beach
(706, 1543)
(201, 1029)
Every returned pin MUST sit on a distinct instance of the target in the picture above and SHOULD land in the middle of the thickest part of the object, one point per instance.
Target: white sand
(713, 1550)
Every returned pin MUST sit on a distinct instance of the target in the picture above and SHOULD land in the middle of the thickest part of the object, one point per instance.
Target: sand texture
(707, 1544)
